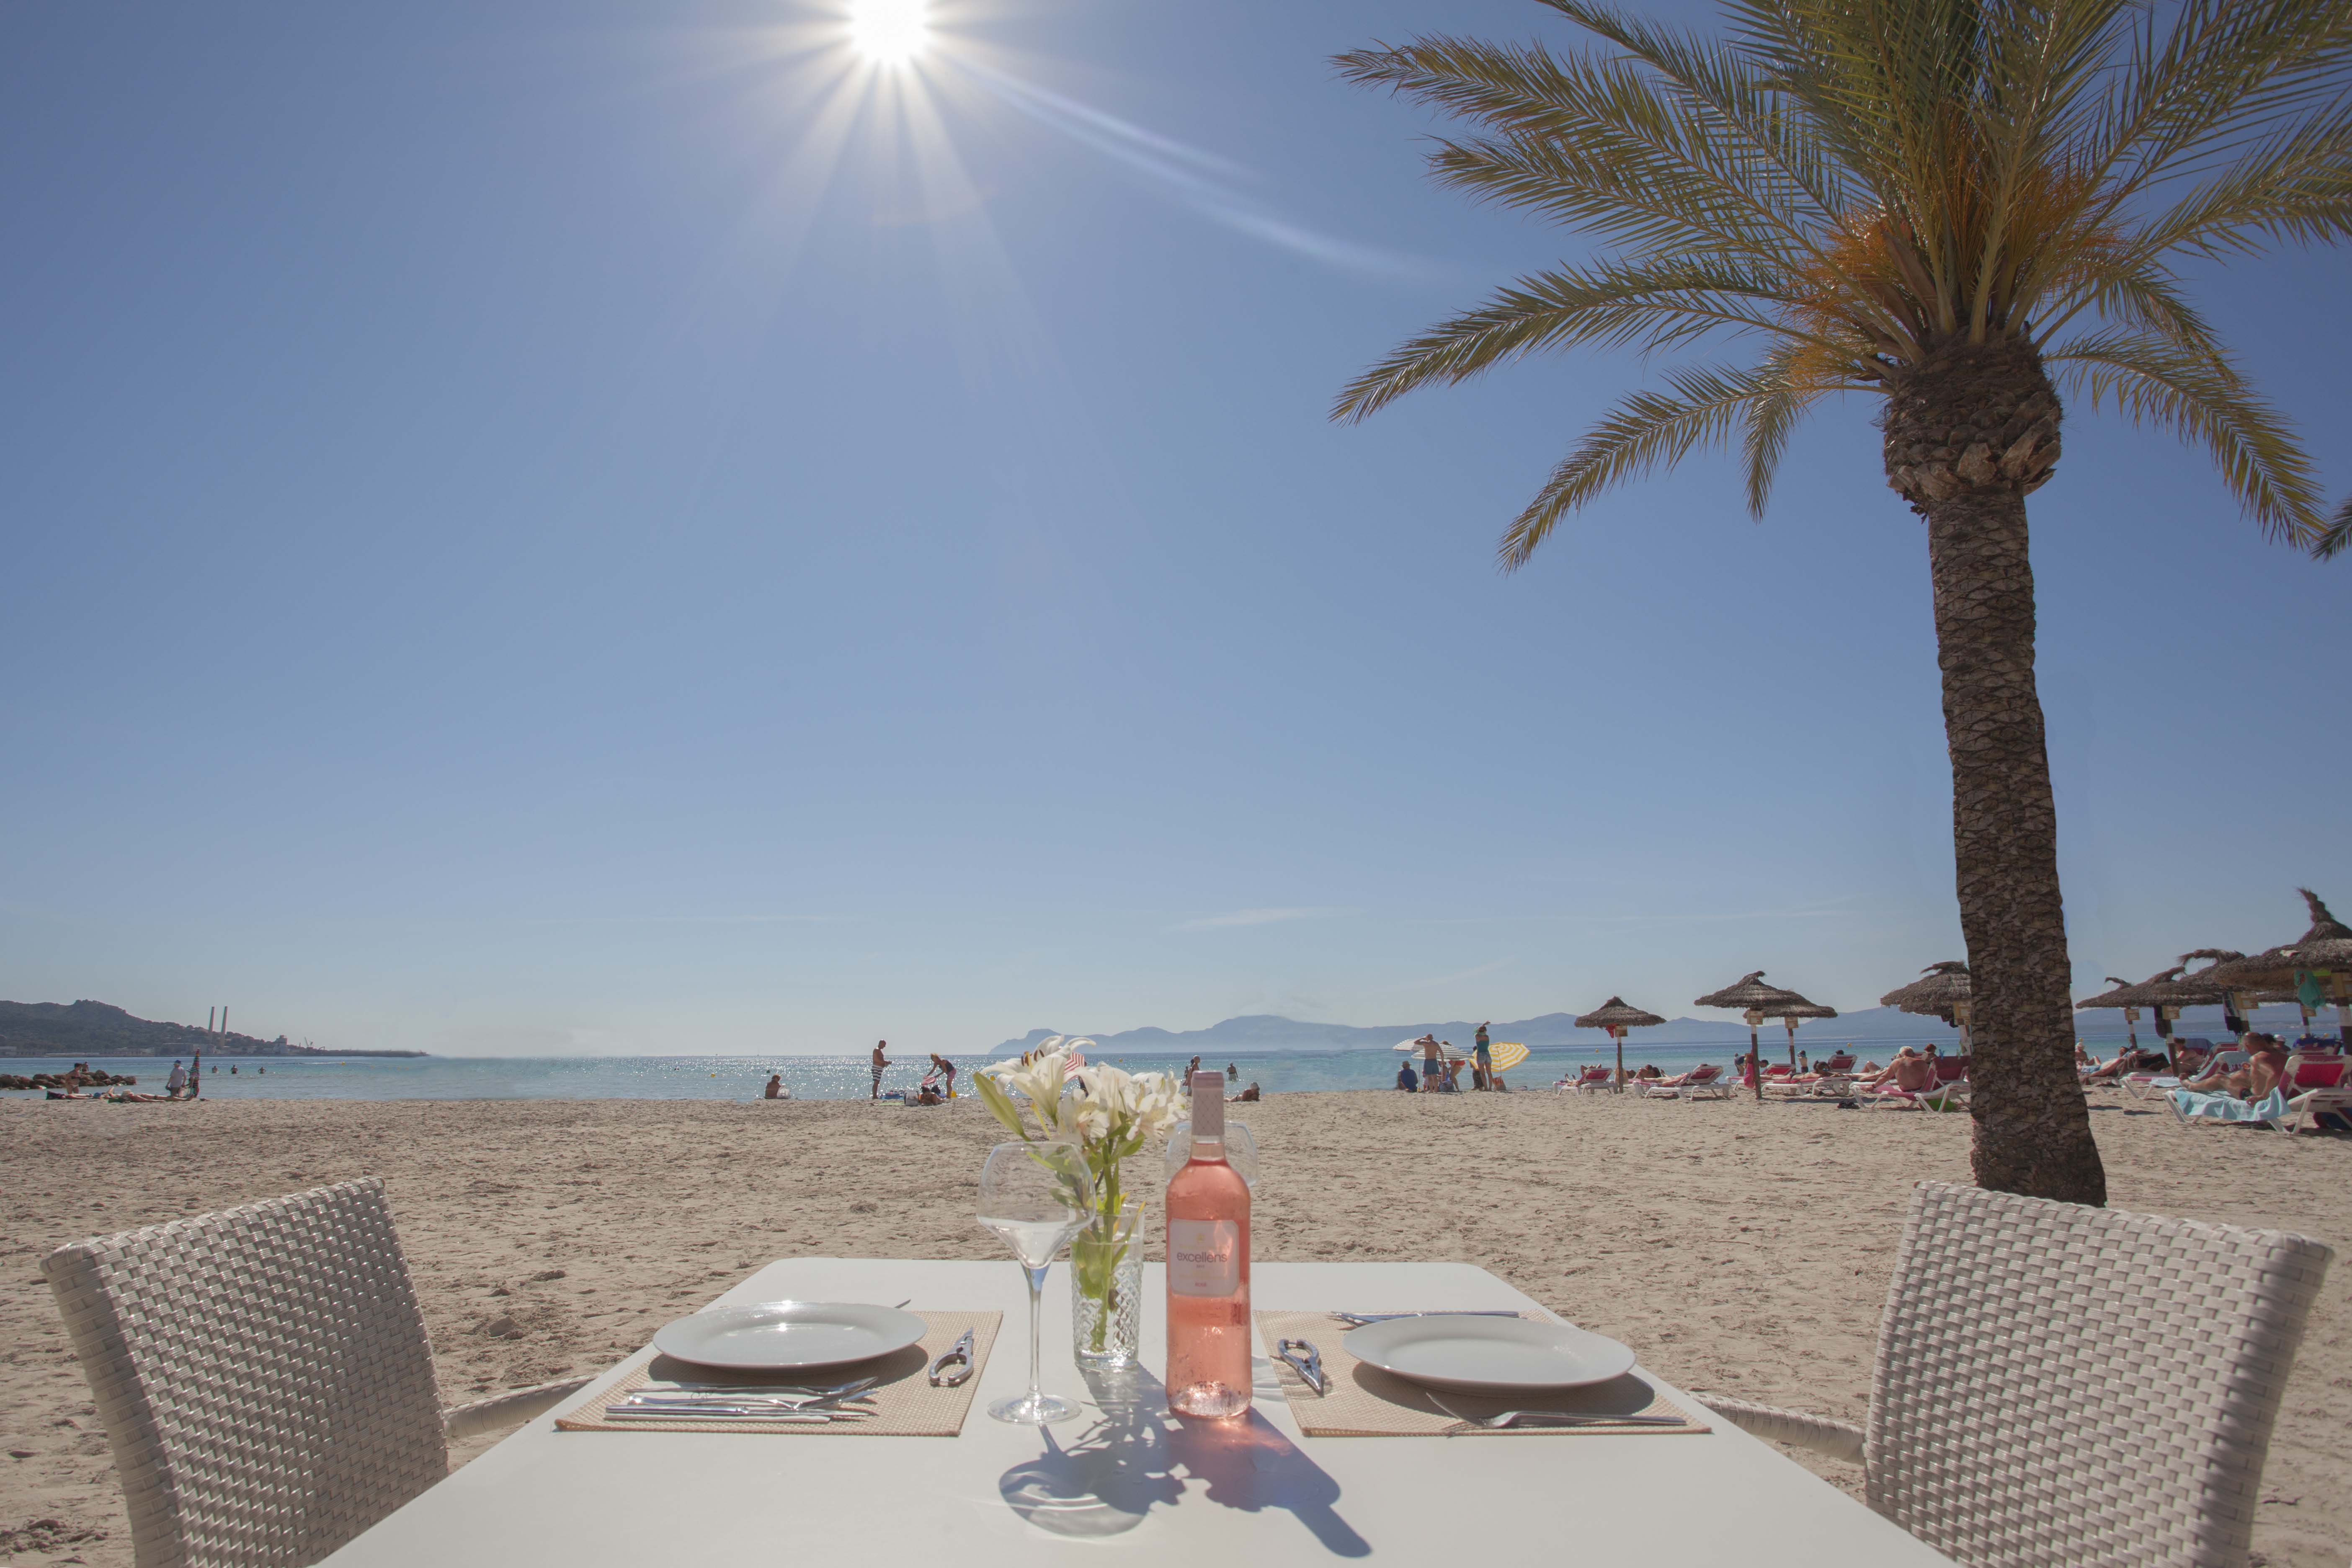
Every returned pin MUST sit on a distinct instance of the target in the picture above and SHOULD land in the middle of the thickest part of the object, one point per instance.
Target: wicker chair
(2020, 1415)
(265, 1377)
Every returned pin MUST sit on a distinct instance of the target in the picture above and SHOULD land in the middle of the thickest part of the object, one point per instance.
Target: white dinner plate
(783, 1335)
(1488, 1354)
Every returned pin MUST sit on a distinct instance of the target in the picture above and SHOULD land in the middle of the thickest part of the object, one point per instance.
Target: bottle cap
(1209, 1107)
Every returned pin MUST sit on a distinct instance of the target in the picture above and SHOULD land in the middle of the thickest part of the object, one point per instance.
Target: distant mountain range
(1267, 1032)
(90, 1029)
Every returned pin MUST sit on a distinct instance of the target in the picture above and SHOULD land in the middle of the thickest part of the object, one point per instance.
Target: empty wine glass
(1241, 1151)
(1034, 1195)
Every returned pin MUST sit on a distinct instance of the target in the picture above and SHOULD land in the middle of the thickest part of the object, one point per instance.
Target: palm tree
(1963, 206)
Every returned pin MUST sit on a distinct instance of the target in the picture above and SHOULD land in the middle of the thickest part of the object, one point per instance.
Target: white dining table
(1125, 1477)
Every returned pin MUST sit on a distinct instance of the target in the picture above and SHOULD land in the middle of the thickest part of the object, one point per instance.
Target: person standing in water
(178, 1082)
(880, 1061)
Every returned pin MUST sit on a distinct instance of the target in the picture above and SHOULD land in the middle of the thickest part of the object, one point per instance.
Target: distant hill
(90, 1029)
(1266, 1032)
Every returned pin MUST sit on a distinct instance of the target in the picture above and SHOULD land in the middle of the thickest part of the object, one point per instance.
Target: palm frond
(2294, 186)
(1647, 431)
(2337, 538)
(1572, 184)
(1792, 378)
(1616, 119)
(2221, 74)
(1657, 306)
(2124, 291)
(1758, 136)
(2203, 398)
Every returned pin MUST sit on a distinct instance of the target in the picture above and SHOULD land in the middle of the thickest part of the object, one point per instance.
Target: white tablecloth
(1125, 1479)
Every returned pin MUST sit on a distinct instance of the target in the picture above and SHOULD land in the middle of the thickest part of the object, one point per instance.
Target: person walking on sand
(880, 1061)
(177, 1083)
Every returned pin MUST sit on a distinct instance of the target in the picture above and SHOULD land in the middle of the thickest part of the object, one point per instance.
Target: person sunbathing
(1648, 1069)
(2264, 1070)
(2255, 1077)
(2127, 1060)
(1910, 1071)
(1247, 1096)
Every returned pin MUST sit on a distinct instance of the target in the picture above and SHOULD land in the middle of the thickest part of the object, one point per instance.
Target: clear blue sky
(584, 527)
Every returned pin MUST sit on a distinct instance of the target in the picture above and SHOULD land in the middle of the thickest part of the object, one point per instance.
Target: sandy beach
(1737, 1249)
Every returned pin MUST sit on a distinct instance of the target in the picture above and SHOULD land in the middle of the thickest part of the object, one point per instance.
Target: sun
(889, 32)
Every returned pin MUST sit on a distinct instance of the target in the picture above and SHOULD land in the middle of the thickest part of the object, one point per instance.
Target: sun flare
(889, 32)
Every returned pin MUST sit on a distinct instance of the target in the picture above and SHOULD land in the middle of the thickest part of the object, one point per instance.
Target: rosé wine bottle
(1208, 1269)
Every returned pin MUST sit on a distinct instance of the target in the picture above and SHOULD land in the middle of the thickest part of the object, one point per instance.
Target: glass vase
(1106, 1290)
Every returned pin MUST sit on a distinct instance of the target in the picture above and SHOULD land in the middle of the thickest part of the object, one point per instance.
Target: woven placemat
(904, 1404)
(1365, 1402)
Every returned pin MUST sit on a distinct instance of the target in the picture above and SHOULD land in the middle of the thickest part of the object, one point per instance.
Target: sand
(1735, 1248)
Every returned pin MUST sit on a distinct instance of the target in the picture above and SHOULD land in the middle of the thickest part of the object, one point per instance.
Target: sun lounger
(1706, 1083)
(2193, 1105)
(2141, 1085)
(2317, 1096)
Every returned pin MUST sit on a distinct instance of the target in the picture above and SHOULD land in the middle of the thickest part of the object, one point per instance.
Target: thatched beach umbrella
(2324, 950)
(2129, 997)
(1940, 992)
(2165, 992)
(1617, 1017)
(1759, 1001)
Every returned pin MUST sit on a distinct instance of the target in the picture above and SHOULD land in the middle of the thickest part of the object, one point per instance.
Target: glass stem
(1036, 1293)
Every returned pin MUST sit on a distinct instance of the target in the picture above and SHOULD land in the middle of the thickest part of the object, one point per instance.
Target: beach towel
(2188, 1102)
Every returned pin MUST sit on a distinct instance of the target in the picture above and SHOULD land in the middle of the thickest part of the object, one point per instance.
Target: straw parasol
(1616, 1017)
(2324, 950)
(1940, 992)
(2131, 998)
(1759, 1001)
(2165, 991)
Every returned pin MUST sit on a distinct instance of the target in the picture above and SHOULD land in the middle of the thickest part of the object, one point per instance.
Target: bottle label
(1205, 1257)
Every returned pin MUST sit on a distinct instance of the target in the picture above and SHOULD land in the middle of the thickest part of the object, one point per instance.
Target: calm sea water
(809, 1077)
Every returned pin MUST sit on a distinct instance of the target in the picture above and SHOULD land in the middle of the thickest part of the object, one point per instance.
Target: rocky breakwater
(90, 1079)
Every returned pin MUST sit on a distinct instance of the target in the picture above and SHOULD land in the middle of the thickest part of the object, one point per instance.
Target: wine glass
(1241, 1151)
(1034, 1195)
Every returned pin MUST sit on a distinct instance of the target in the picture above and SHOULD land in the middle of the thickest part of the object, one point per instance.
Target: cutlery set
(745, 1402)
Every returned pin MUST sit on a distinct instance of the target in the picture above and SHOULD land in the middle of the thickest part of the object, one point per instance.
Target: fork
(1509, 1418)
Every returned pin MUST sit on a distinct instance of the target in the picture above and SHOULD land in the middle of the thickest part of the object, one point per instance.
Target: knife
(1360, 1318)
(629, 1414)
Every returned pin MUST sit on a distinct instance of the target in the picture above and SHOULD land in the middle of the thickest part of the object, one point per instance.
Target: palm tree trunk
(1972, 429)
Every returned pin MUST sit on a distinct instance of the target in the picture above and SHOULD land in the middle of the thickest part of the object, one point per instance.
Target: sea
(831, 1077)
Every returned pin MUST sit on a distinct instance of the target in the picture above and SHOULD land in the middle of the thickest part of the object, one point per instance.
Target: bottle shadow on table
(1105, 1477)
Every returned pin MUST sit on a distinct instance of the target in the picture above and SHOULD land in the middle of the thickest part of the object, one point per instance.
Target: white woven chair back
(2058, 1384)
(264, 1376)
